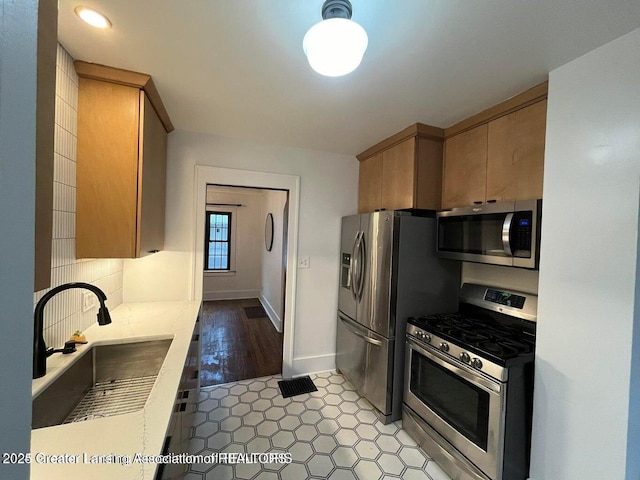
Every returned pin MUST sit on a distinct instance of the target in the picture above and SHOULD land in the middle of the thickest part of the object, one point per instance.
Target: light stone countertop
(142, 432)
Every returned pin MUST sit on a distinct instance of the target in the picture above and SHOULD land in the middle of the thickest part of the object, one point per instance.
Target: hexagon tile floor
(330, 434)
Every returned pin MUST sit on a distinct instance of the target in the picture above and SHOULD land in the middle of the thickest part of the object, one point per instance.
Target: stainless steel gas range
(469, 384)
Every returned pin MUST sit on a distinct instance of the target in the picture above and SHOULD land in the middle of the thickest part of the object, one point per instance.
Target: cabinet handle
(477, 203)
(491, 201)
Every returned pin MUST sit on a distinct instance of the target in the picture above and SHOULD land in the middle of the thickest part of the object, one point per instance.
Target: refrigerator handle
(353, 264)
(362, 254)
(353, 330)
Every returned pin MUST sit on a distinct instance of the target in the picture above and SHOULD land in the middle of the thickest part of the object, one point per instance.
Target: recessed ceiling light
(93, 18)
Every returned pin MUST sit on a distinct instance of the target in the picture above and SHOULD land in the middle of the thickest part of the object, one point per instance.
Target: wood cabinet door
(107, 169)
(370, 184)
(45, 127)
(516, 154)
(429, 174)
(465, 168)
(399, 175)
(151, 180)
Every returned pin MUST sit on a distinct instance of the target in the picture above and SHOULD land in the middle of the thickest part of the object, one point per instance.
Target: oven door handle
(506, 234)
(446, 362)
(357, 333)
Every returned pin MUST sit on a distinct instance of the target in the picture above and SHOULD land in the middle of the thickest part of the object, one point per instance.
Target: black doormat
(255, 312)
(297, 386)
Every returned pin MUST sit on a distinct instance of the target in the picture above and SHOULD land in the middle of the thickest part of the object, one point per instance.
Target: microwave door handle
(352, 267)
(362, 263)
(506, 234)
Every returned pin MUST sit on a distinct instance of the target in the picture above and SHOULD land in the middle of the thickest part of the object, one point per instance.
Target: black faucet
(40, 352)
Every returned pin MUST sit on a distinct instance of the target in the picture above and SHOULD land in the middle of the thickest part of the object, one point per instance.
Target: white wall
(247, 223)
(272, 286)
(18, 24)
(328, 191)
(64, 313)
(588, 270)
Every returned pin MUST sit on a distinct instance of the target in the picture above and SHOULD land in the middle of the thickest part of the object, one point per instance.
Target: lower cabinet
(180, 429)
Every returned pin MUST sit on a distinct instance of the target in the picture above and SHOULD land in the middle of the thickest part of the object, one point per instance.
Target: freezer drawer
(366, 360)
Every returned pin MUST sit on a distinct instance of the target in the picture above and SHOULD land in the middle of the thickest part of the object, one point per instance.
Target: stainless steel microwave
(505, 233)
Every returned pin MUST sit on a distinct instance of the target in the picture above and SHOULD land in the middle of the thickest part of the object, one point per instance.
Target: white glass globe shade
(335, 46)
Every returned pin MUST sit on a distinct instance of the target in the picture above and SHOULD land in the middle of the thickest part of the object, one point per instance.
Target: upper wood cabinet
(515, 160)
(370, 184)
(465, 168)
(121, 164)
(497, 155)
(402, 172)
(45, 125)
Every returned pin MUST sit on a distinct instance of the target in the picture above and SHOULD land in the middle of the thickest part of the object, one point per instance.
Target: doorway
(243, 283)
(242, 178)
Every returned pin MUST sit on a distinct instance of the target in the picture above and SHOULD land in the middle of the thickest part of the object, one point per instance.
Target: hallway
(235, 347)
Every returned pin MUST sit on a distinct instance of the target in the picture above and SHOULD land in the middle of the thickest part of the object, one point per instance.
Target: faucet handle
(69, 346)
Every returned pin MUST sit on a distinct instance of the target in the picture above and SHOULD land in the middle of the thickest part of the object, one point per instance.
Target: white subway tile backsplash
(63, 314)
(61, 55)
(64, 225)
(64, 170)
(64, 197)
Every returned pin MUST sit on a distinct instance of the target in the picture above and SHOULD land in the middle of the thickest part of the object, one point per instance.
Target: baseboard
(316, 364)
(229, 295)
(271, 313)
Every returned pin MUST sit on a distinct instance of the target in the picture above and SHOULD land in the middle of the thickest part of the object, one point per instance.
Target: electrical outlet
(304, 262)
(88, 301)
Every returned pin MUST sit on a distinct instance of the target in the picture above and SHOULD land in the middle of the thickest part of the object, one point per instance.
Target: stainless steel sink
(106, 380)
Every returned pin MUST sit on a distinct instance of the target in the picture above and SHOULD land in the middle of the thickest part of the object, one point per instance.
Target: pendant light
(335, 46)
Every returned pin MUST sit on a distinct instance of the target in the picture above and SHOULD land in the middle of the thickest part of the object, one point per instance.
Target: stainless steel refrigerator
(389, 272)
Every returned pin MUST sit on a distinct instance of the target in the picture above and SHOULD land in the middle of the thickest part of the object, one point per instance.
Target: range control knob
(424, 336)
(444, 346)
(464, 356)
(477, 363)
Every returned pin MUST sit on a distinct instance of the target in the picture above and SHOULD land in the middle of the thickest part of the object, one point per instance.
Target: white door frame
(247, 178)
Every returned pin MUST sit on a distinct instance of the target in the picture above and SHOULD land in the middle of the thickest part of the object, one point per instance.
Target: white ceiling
(236, 67)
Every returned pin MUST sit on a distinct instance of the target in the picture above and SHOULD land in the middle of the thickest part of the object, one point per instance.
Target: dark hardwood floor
(235, 347)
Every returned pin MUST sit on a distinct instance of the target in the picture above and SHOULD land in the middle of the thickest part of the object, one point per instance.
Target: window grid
(218, 241)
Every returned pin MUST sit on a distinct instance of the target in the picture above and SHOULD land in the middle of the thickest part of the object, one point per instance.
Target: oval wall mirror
(268, 232)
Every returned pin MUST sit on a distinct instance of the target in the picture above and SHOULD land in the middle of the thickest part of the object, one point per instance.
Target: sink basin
(106, 380)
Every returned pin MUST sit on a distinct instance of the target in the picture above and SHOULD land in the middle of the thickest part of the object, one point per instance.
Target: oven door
(463, 406)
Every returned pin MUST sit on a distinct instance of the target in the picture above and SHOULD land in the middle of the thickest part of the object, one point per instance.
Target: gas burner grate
(115, 397)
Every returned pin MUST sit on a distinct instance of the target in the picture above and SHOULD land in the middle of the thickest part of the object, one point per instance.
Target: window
(217, 253)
